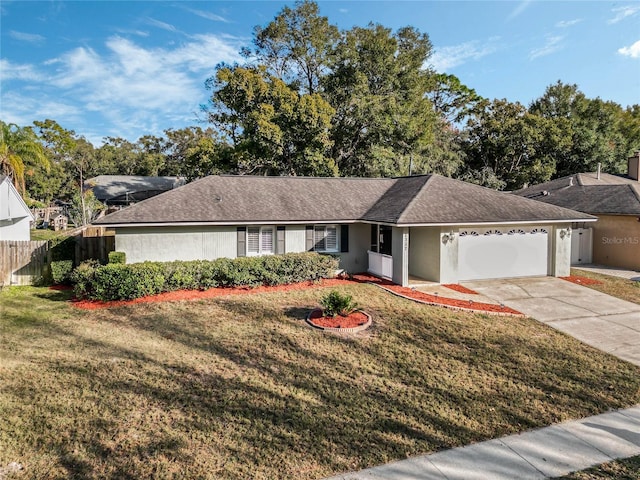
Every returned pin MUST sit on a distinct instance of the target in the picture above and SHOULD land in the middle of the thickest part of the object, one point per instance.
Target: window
(259, 240)
(325, 238)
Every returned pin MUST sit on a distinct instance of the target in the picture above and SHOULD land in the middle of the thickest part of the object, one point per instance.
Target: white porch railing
(380, 264)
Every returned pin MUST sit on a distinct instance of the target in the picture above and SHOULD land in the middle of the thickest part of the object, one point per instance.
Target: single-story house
(15, 216)
(124, 190)
(613, 240)
(427, 227)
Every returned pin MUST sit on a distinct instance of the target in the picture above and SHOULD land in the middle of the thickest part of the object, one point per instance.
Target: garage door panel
(501, 254)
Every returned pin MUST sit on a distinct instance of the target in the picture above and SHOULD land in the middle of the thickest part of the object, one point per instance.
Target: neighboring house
(15, 216)
(614, 240)
(428, 227)
(124, 190)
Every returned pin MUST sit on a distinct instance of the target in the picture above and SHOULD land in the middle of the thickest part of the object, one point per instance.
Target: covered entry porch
(415, 255)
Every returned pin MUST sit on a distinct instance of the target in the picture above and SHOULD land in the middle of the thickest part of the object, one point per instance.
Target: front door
(381, 236)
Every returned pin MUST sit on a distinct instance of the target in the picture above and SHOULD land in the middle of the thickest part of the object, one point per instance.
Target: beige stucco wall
(356, 259)
(424, 253)
(166, 244)
(616, 241)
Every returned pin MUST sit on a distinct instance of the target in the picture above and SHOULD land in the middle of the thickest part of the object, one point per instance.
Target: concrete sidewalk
(536, 454)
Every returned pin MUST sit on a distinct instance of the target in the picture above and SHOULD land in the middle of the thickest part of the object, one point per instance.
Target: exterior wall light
(565, 233)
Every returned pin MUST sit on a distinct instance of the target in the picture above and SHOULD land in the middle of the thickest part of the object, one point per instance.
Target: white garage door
(502, 253)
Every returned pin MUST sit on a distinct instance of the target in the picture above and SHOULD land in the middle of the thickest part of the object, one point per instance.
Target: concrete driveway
(600, 320)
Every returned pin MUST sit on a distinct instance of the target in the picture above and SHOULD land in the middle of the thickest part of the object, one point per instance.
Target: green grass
(627, 469)
(618, 287)
(239, 387)
(46, 234)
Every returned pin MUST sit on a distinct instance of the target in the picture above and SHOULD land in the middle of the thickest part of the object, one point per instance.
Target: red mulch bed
(333, 282)
(451, 302)
(204, 294)
(61, 287)
(355, 319)
(581, 280)
(459, 288)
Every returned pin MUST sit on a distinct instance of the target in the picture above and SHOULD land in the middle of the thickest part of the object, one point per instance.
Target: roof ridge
(414, 198)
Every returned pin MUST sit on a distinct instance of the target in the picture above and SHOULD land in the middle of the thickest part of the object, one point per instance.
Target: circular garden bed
(352, 323)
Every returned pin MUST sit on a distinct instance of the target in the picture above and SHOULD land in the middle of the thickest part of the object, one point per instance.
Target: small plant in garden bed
(339, 312)
(334, 303)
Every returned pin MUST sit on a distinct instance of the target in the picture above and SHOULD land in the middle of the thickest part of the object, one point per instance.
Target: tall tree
(514, 145)
(296, 46)
(19, 146)
(591, 125)
(383, 120)
(273, 128)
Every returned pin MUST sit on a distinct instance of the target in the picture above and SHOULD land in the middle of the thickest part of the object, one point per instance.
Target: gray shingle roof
(107, 187)
(426, 199)
(611, 194)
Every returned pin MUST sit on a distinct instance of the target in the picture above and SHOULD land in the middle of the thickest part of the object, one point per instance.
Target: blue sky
(130, 68)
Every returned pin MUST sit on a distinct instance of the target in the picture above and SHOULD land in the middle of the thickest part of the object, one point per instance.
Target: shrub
(83, 278)
(118, 281)
(334, 303)
(117, 257)
(61, 270)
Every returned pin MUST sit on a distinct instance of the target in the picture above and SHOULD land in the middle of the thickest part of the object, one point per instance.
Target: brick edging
(355, 329)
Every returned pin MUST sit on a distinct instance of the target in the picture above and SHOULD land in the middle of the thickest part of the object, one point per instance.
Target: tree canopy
(312, 99)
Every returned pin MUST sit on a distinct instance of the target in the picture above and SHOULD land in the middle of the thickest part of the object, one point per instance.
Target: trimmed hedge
(61, 271)
(117, 257)
(117, 281)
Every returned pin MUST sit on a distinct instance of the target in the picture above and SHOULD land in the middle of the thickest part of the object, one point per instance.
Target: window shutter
(280, 245)
(242, 242)
(309, 238)
(344, 238)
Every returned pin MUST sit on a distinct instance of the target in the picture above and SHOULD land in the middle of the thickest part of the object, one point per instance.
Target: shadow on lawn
(268, 401)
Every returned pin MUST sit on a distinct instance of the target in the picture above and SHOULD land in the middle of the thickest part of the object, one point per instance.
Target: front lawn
(615, 286)
(239, 387)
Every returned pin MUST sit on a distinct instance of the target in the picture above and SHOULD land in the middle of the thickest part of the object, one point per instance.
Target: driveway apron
(595, 318)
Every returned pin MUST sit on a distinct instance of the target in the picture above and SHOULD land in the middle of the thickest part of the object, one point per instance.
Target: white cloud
(522, 6)
(553, 44)
(162, 25)
(207, 15)
(136, 89)
(632, 51)
(568, 23)
(446, 58)
(12, 71)
(343, 10)
(27, 37)
(623, 12)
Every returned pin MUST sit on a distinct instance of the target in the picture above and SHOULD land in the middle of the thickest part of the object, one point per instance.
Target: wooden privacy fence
(96, 248)
(22, 263)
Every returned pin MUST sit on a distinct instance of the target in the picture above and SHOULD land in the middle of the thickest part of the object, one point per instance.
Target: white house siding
(165, 244)
(15, 217)
(295, 239)
(424, 253)
(560, 251)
